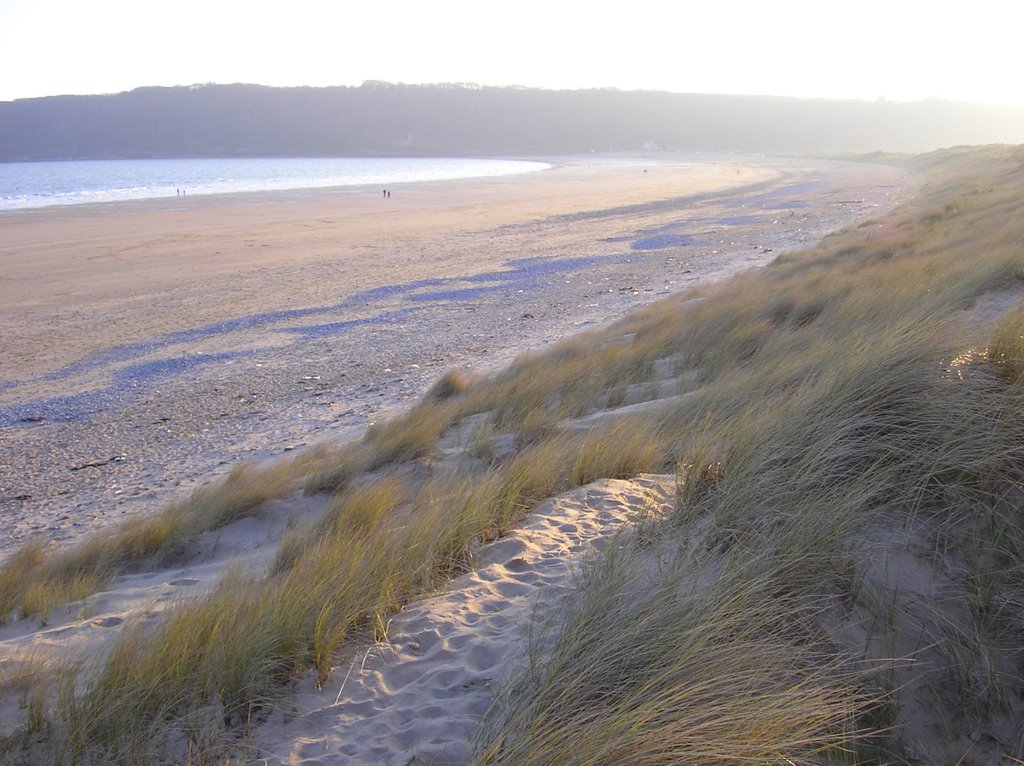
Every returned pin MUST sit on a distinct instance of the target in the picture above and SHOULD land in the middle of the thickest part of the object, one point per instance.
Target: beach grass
(675, 665)
(856, 449)
(36, 579)
(840, 577)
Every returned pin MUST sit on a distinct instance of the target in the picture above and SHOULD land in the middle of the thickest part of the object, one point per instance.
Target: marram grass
(35, 580)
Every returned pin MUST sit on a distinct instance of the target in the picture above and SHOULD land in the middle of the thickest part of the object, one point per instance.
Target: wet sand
(150, 346)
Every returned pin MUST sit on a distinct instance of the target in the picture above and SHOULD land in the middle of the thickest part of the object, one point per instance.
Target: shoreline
(301, 194)
(279, 169)
(318, 321)
(587, 165)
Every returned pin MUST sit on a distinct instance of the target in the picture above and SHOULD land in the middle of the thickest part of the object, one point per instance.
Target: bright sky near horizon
(897, 49)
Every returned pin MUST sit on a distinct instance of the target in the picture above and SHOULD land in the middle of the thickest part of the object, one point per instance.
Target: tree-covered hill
(382, 119)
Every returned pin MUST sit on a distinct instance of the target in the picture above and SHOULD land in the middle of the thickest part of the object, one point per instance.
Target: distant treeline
(382, 119)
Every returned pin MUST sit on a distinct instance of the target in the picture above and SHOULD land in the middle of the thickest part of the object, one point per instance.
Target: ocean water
(42, 184)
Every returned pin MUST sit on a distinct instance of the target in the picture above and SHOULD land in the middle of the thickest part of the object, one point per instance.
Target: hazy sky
(898, 49)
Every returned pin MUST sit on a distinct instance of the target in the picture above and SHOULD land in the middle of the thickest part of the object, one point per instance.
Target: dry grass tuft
(35, 580)
(412, 436)
(453, 383)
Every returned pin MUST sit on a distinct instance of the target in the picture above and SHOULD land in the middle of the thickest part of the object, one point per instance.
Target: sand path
(148, 347)
(419, 697)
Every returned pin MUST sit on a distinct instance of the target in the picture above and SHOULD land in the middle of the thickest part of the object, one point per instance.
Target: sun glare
(899, 51)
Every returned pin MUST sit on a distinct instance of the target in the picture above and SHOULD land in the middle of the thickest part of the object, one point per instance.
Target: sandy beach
(150, 346)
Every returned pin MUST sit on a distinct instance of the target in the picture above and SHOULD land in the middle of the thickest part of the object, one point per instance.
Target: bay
(25, 185)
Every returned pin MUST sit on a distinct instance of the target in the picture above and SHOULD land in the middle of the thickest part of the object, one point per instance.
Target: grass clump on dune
(406, 438)
(676, 665)
(35, 580)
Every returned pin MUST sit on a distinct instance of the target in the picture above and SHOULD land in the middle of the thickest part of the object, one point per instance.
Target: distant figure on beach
(389, 194)
(385, 193)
